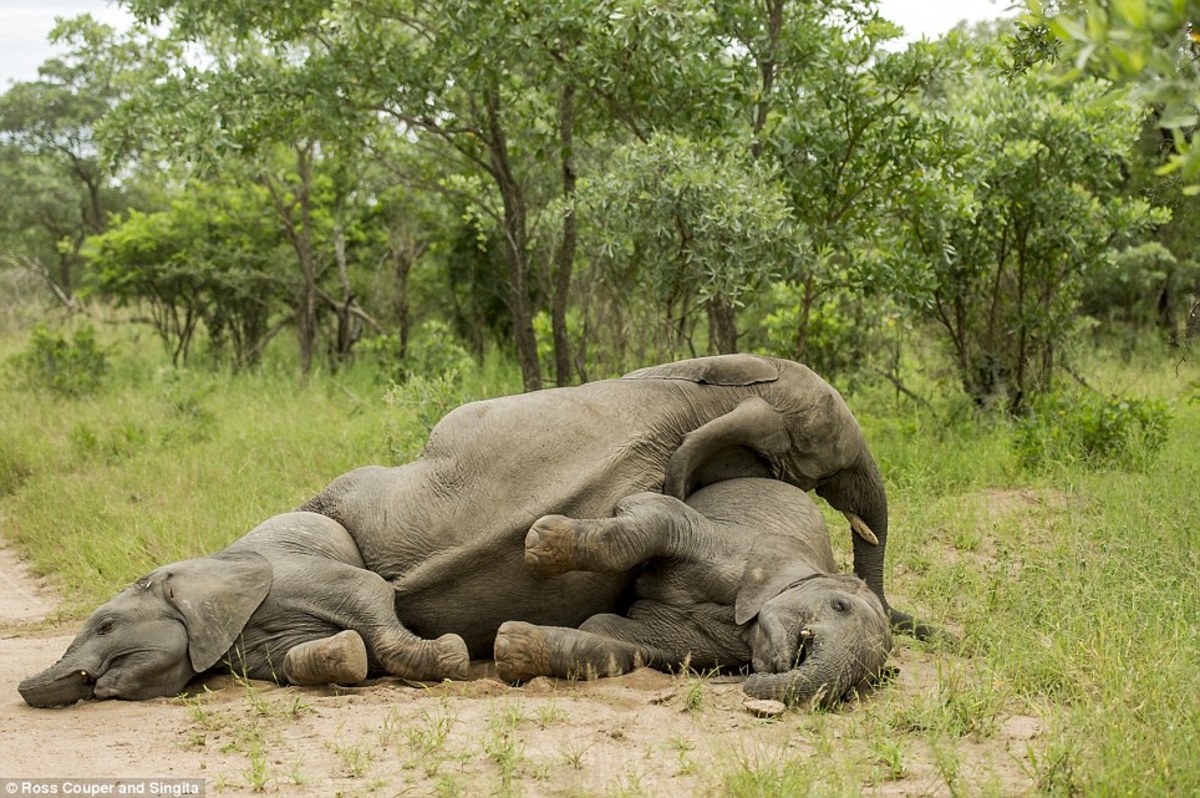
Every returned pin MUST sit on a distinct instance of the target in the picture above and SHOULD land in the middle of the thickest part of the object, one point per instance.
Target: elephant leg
(609, 645)
(646, 525)
(524, 651)
(753, 424)
(340, 659)
(356, 599)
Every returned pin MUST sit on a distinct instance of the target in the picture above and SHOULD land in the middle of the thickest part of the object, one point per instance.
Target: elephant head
(153, 637)
(815, 635)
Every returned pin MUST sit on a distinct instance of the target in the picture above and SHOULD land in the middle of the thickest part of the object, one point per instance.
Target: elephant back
(727, 370)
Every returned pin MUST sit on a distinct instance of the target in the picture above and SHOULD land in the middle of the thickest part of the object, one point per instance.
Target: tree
(212, 258)
(1023, 196)
(694, 228)
(1152, 46)
(49, 154)
(258, 113)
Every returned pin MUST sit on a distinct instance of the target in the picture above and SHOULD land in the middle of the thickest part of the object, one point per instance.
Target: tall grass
(1075, 592)
(164, 464)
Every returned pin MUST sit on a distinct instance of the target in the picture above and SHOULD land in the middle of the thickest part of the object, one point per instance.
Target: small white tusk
(806, 633)
(861, 529)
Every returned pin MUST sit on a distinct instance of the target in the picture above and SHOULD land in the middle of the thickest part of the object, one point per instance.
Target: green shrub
(1093, 430)
(423, 401)
(67, 368)
(433, 351)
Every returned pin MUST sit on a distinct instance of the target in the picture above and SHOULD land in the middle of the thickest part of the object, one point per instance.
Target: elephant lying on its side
(446, 531)
(288, 602)
(743, 574)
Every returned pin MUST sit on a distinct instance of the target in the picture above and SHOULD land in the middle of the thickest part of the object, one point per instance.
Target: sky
(25, 24)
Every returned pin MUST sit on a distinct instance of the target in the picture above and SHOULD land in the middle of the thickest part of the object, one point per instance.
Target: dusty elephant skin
(448, 529)
(289, 602)
(740, 575)
(444, 535)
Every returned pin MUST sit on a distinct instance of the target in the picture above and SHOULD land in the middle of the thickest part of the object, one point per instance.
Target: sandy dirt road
(644, 733)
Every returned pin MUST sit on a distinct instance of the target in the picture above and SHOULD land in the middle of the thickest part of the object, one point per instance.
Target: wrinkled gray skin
(447, 531)
(741, 575)
(289, 602)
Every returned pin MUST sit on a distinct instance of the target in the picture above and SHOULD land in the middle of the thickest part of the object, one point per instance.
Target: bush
(423, 400)
(433, 351)
(67, 368)
(1093, 430)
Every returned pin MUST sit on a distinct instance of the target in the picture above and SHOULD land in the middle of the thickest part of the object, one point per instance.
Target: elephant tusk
(806, 633)
(861, 529)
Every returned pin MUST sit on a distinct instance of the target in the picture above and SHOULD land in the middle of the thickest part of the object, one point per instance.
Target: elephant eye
(840, 605)
(105, 627)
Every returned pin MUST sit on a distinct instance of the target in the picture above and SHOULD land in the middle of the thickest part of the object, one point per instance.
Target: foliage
(744, 176)
(1091, 429)
(210, 258)
(49, 155)
(1151, 45)
(1001, 237)
(1128, 286)
(434, 352)
(836, 337)
(690, 226)
(70, 368)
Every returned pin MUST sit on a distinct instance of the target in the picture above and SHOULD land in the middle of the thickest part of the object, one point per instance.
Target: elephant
(742, 574)
(289, 602)
(447, 529)
(445, 533)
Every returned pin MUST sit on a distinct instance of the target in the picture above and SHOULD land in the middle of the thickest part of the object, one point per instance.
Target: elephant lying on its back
(741, 575)
(430, 556)
(446, 530)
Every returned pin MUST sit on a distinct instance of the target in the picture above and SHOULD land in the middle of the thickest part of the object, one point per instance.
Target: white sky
(25, 24)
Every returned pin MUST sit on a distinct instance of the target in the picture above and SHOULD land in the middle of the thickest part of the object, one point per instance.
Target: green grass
(164, 464)
(1074, 593)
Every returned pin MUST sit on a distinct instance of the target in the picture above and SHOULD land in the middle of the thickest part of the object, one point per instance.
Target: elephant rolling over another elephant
(431, 554)
(742, 574)
(446, 529)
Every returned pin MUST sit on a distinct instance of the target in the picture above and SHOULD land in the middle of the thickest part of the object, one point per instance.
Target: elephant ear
(715, 370)
(216, 596)
(771, 568)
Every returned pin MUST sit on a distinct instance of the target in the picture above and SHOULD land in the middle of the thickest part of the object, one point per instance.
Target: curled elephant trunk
(827, 668)
(820, 680)
(61, 684)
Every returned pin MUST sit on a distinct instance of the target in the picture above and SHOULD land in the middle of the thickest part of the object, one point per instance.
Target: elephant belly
(476, 605)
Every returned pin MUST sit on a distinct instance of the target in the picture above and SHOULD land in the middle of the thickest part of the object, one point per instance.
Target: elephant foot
(906, 624)
(547, 545)
(341, 659)
(522, 652)
(453, 657)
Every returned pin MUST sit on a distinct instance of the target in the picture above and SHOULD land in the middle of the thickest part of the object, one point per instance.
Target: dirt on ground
(645, 733)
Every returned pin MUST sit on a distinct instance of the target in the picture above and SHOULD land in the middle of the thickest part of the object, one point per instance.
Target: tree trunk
(299, 235)
(349, 326)
(566, 251)
(405, 251)
(722, 324)
(516, 246)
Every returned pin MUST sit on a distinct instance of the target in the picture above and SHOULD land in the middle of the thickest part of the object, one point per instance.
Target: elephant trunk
(821, 680)
(859, 490)
(63, 683)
